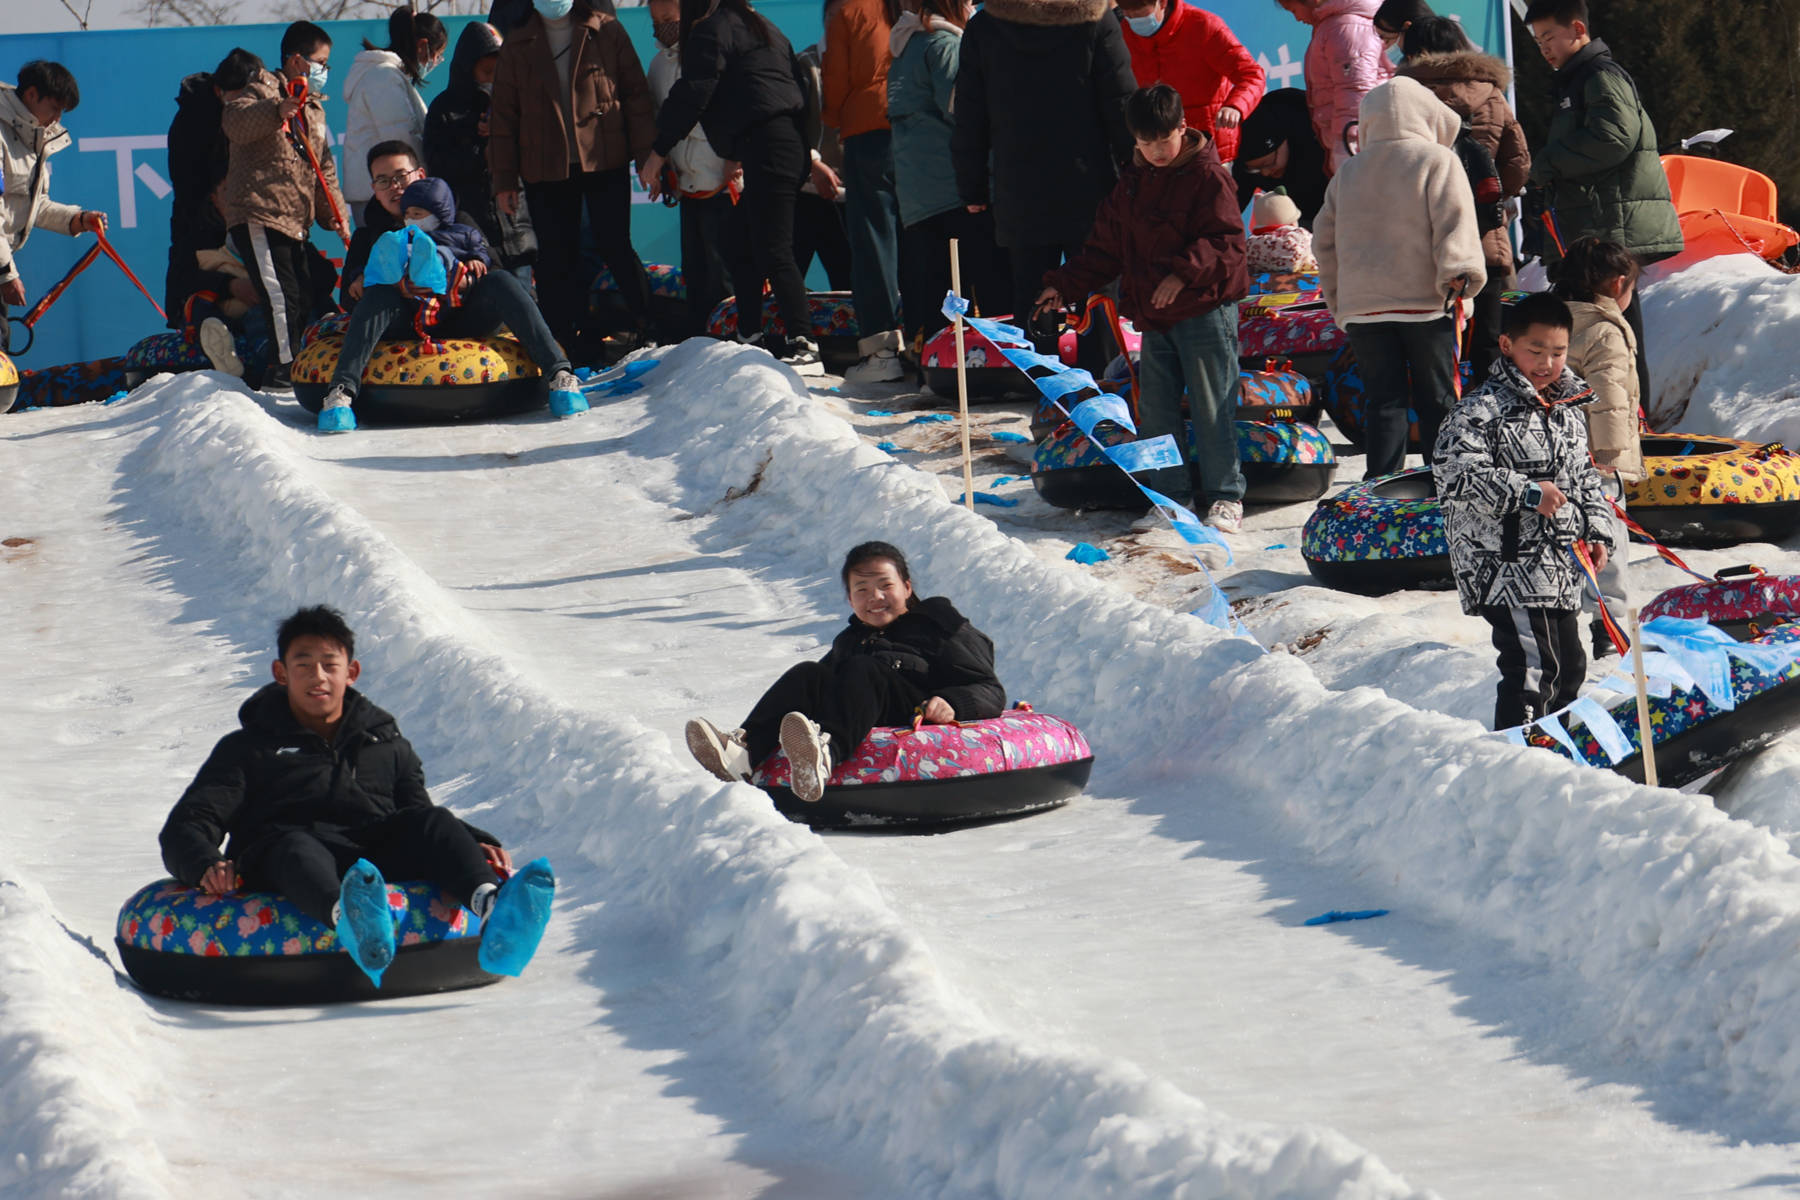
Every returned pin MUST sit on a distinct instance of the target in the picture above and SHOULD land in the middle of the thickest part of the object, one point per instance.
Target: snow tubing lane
(256, 948)
(1693, 736)
(1383, 535)
(1283, 462)
(1715, 491)
(1016, 763)
(466, 380)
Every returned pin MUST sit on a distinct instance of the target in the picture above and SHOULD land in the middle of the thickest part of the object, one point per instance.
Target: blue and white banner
(118, 163)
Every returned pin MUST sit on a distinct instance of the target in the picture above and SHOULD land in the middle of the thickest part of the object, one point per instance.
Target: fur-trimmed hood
(1047, 12)
(1460, 66)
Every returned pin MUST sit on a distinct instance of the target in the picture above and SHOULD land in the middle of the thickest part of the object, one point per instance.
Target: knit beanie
(1270, 209)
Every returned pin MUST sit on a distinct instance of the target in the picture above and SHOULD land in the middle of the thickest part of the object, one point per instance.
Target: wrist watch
(1532, 496)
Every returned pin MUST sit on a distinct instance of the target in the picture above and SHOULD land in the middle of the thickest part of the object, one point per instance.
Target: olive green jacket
(1599, 168)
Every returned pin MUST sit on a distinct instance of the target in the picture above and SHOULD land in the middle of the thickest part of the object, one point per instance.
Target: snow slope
(902, 1013)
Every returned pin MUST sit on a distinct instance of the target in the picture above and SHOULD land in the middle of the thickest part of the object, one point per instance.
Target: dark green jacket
(1600, 168)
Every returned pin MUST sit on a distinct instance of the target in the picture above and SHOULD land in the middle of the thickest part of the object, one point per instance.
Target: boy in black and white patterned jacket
(1519, 490)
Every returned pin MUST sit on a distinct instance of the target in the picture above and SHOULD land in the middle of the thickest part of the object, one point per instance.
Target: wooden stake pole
(1646, 739)
(962, 385)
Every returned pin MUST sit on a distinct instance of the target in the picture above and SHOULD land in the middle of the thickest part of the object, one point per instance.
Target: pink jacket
(1343, 61)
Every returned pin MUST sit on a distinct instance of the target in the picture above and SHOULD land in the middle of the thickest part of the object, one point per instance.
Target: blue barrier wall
(128, 83)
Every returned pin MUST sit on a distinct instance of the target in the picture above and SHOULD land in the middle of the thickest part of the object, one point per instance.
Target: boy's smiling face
(316, 673)
(1540, 353)
(878, 596)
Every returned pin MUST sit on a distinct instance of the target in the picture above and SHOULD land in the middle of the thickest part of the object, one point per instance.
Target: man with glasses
(491, 300)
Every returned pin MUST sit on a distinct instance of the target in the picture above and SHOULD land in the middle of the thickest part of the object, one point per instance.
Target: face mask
(316, 77)
(667, 32)
(426, 224)
(553, 10)
(1145, 26)
(425, 69)
(487, 87)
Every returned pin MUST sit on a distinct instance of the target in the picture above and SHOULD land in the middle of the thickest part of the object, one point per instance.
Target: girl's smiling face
(878, 596)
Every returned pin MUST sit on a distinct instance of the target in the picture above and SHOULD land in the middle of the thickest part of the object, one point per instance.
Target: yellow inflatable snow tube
(1700, 490)
(9, 383)
(409, 383)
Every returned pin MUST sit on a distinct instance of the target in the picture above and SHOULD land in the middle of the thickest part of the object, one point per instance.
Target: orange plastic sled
(1724, 209)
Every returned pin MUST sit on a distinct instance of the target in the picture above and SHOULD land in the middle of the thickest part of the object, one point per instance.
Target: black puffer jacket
(935, 648)
(197, 149)
(457, 151)
(732, 80)
(1041, 89)
(274, 776)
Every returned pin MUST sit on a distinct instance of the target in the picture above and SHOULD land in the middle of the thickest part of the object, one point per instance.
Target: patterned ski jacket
(1502, 437)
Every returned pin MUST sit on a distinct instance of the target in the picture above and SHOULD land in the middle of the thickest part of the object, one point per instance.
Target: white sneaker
(1227, 516)
(803, 356)
(880, 359)
(221, 347)
(724, 754)
(808, 752)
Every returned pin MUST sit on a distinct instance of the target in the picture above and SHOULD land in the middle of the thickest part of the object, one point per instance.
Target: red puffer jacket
(1195, 52)
(1180, 220)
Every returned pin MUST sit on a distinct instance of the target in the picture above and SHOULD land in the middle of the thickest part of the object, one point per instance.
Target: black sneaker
(802, 354)
(1603, 645)
(278, 378)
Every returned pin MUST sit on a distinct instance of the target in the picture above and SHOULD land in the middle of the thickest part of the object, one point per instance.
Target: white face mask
(487, 87)
(426, 224)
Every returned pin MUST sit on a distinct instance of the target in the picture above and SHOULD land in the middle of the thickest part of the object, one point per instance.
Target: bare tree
(81, 18)
(185, 12)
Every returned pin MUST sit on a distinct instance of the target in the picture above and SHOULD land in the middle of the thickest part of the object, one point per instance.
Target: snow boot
(365, 924)
(510, 935)
(220, 347)
(724, 754)
(336, 416)
(808, 750)
(566, 399)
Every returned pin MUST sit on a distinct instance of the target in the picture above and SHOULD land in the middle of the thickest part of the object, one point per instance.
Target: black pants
(1095, 349)
(281, 268)
(1542, 662)
(712, 240)
(1404, 364)
(925, 269)
(496, 299)
(1482, 346)
(776, 163)
(846, 701)
(428, 844)
(556, 212)
(1634, 317)
(819, 230)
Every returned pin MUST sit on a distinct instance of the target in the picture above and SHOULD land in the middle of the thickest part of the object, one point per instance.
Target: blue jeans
(496, 299)
(872, 213)
(1199, 353)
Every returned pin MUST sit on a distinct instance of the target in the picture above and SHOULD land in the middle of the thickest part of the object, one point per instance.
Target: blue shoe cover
(337, 420)
(568, 404)
(521, 910)
(365, 927)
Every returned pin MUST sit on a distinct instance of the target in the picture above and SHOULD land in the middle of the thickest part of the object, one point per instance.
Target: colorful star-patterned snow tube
(1715, 491)
(1743, 601)
(833, 323)
(1692, 735)
(419, 383)
(258, 948)
(1016, 763)
(1282, 462)
(1379, 536)
(73, 383)
(665, 281)
(9, 382)
(330, 325)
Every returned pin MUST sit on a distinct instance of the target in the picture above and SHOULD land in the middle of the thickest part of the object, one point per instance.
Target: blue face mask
(317, 76)
(554, 10)
(1145, 26)
(426, 68)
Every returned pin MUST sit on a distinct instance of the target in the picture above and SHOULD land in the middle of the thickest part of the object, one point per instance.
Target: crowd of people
(1068, 146)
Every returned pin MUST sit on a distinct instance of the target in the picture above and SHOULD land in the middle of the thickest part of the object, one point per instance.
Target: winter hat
(1270, 209)
(432, 195)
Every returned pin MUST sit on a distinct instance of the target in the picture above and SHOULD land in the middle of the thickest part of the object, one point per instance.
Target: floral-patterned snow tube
(74, 383)
(1282, 462)
(1379, 536)
(411, 383)
(1743, 601)
(258, 948)
(9, 382)
(1307, 337)
(1693, 736)
(1018, 762)
(1715, 491)
(175, 351)
(335, 324)
(668, 299)
(833, 323)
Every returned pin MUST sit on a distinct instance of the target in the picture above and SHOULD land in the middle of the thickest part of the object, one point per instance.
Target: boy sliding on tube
(319, 794)
(900, 656)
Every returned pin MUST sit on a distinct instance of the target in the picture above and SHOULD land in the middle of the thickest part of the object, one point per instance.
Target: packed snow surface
(1584, 987)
